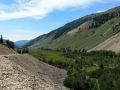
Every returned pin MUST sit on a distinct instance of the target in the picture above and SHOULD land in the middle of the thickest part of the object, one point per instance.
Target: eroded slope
(49, 74)
(5, 50)
(112, 43)
(14, 77)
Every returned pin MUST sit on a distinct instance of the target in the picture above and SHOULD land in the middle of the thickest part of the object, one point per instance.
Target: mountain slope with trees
(84, 33)
(6, 46)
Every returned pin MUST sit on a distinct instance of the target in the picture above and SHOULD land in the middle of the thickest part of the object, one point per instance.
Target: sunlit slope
(4, 50)
(81, 37)
(84, 33)
(112, 43)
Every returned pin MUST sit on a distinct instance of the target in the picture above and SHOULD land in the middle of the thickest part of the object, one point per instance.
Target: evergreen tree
(1, 39)
(10, 44)
(101, 66)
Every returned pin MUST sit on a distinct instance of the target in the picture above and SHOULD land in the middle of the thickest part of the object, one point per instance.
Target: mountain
(20, 43)
(31, 42)
(83, 33)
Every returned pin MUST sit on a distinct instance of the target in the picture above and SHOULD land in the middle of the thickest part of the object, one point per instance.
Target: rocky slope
(5, 50)
(112, 43)
(48, 73)
(23, 72)
(14, 77)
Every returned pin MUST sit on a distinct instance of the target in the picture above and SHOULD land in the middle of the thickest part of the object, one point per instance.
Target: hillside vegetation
(84, 33)
(73, 46)
(96, 70)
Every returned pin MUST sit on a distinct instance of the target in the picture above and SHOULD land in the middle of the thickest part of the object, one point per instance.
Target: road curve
(10, 55)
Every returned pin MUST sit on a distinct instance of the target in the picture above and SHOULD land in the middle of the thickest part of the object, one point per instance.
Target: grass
(96, 84)
(49, 55)
(92, 68)
(82, 39)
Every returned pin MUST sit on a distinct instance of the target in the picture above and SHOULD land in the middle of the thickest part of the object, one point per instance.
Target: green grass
(92, 68)
(49, 55)
(96, 84)
(82, 39)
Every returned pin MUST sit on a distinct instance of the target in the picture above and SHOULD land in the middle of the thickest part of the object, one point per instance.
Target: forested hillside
(84, 33)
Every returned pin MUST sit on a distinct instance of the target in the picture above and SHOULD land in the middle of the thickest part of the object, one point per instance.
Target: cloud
(99, 11)
(38, 9)
(23, 31)
(109, 1)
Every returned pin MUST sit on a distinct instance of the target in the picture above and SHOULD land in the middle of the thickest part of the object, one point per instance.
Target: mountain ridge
(20, 43)
(89, 31)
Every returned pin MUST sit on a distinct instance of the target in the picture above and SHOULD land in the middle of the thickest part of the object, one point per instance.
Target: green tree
(10, 44)
(101, 66)
(1, 39)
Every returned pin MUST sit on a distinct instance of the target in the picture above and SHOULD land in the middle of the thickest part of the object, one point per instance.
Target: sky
(28, 19)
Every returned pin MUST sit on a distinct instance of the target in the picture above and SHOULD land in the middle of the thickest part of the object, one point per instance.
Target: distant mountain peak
(20, 43)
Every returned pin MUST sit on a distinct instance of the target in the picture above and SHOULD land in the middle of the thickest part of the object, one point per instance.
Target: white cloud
(40, 8)
(109, 1)
(99, 11)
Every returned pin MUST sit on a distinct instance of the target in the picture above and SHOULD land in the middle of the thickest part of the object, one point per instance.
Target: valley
(81, 55)
(84, 33)
(87, 48)
(85, 70)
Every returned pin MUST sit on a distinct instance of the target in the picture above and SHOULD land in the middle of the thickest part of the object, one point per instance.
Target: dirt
(112, 43)
(5, 50)
(24, 72)
(72, 32)
(15, 77)
(42, 70)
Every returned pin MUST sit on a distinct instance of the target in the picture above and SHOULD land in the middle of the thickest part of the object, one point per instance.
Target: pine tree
(10, 44)
(1, 39)
(101, 66)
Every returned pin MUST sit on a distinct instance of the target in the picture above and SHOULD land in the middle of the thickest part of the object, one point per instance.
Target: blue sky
(27, 19)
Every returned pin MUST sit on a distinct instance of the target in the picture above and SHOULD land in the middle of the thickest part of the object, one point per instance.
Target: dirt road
(9, 55)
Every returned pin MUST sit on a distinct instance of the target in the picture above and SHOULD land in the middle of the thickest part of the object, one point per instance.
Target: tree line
(95, 70)
(101, 19)
(8, 43)
(23, 50)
